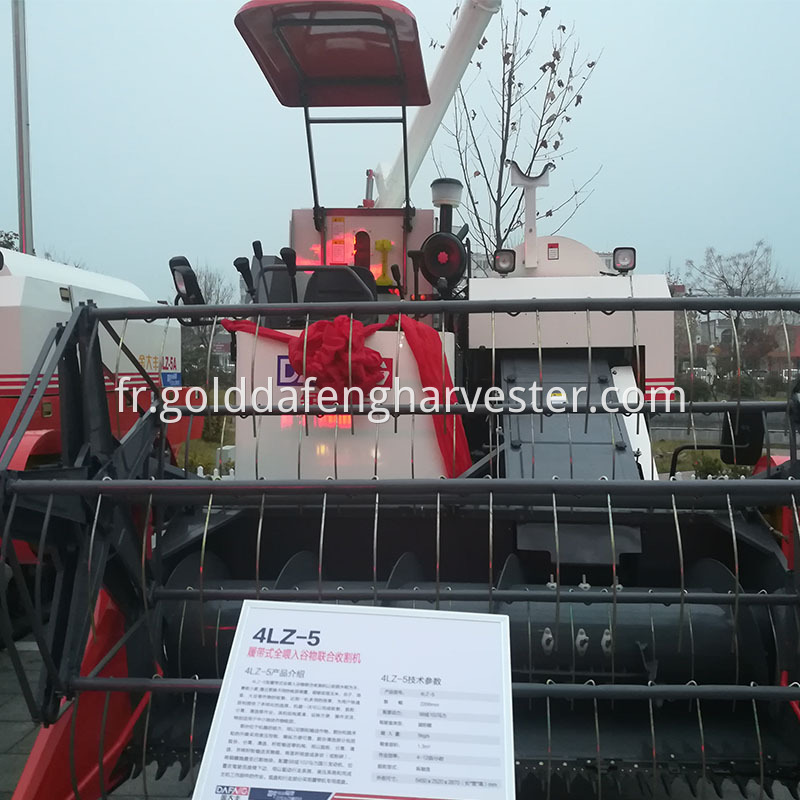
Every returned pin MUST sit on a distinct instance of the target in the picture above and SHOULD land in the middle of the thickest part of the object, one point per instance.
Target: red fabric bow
(332, 356)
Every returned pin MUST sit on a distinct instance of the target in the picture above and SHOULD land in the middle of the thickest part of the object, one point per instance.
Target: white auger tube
(473, 18)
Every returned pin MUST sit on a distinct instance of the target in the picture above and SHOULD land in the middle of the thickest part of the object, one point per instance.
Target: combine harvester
(38, 299)
(654, 627)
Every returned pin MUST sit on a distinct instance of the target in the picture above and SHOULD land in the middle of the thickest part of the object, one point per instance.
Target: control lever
(289, 257)
(398, 280)
(463, 231)
(443, 287)
(416, 261)
(242, 266)
(258, 252)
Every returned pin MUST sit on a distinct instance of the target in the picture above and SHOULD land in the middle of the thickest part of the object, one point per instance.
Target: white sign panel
(327, 702)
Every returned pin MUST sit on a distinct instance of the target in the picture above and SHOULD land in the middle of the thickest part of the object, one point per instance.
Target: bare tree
(748, 274)
(531, 106)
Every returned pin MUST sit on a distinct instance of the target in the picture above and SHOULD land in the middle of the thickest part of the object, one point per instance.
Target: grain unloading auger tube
(654, 630)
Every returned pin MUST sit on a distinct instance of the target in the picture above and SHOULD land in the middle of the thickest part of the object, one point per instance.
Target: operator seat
(343, 286)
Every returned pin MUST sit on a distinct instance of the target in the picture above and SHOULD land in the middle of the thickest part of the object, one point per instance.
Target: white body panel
(635, 424)
(31, 305)
(352, 447)
(568, 329)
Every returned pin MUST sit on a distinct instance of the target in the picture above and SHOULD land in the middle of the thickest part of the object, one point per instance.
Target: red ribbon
(338, 360)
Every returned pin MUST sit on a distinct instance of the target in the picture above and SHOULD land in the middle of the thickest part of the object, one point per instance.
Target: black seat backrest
(340, 286)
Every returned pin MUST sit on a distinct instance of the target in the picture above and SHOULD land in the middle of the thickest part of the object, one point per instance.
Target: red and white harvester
(654, 623)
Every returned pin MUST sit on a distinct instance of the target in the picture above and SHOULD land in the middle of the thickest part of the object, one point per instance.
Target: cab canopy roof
(336, 52)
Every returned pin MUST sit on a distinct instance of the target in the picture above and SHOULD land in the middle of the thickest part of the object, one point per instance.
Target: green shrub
(708, 466)
(775, 385)
(700, 392)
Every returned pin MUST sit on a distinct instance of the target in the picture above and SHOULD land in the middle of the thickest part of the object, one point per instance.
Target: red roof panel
(336, 52)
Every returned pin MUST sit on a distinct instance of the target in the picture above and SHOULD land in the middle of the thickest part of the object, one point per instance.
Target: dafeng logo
(233, 791)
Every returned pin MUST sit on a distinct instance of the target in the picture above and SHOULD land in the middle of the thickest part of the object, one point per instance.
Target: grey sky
(154, 132)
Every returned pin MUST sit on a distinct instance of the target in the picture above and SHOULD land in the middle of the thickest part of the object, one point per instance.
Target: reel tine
(305, 370)
(191, 738)
(91, 558)
(336, 447)
(653, 740)
(163, 350)
(530, 647)
(253, 377)
(549, 682)
(216, 642)
(413, 436)
(641, 380)
(143, 573)
(574, 645)
(222, 444)
(349, 369)
(375, 453)
(443, 396)
(491, 550)
(321, 544)
(303, 429)
(558, 571)
(541, 364)
(186, 444)
(210, 348)
(589, 374)
(735, 642)
(375, 550)
(652, 626)
(691, 377)
(760, 748)
(797, 545)
(116, 371)
(492, 466)
(396, 365)
(691, 644)
(597, 738)
(733, 433)
(702, 737)
(682, 573)
(613, 447)
(257, 425)
(613, 589)
(788, 365)
(73, 772)
(569, 441)
(100, 770)
(180, 637)
(438, 547)
(37, 580)
(738, 383)
(202, 565)
(258, 546)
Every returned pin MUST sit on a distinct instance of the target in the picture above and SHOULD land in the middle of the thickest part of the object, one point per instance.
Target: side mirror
(742, 437)
(185, 280)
